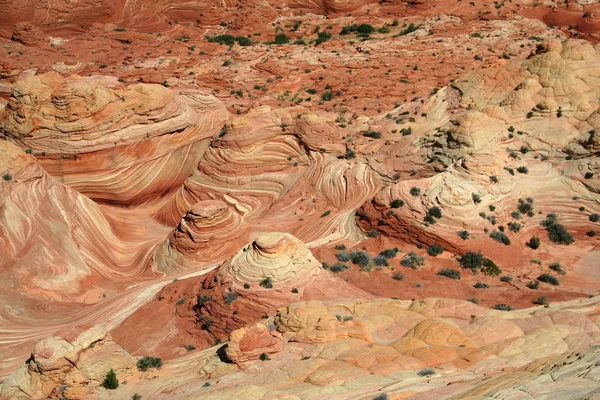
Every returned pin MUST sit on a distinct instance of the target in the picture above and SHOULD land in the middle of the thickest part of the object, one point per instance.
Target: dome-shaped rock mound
(277, 257)
(209, 230)
(272, 271)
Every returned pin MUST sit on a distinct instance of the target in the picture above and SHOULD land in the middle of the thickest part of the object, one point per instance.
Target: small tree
(111, 382)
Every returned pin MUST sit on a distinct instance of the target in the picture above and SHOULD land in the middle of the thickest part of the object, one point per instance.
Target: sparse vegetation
(550, 279)
(534, 242)
(389, 253)
(556, 267)
(415, 191)
(427, 372)
(556, 232)
(110, 381)
(435, 250)
(146, 363)
(266, 283)
(398, 276)
(481, 285)
(230, 297)
(397, 203)
(450, 273)
(533, 285)
(501, 237)
(264, 357)
(503, 307)
(506, 278)
(464, 235)
(412, 260)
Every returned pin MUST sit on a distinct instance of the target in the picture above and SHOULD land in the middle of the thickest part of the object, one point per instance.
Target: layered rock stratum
(307, 199)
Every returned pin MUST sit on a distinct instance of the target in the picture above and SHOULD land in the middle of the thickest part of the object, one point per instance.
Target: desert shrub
(281, 38)
(490, 268)
(556, 267)
(322, 37)
(450, 273)
(594, 217)
(524, 207)
(533, 285)
(264, 357)
(340, 247)
(503, 307)
(229, 40)
(372, 134)
(396, 203)
(514, 227)
(506, 278)
(471, 260)
(146, 363)
(342, 256)
(360, 258)
(476, 198)
(266, 283)
(556, 232)
(481, 285)
(137, 396)
(339, 267)
(426, 372)
(326, 213)
(327, 96)
(230, 297)
(500, 237)
(435, 250)
(247, 285)
(203, 299)
(591, 233)
(373, 233)
(429, 219)
(7, 177)
(381, 261)
(398, 276)
(542, 300)
(381, 397)
(415, 191)
(389, 253)
(547, 278)
(412, 260)
(473, 300)
(435, 212)
(522, 170)
(534, 242)
(464, 235)
(411, 28)
(110, 381)
(190, 347)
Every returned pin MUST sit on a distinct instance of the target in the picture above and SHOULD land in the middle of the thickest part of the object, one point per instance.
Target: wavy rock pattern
(113, 145)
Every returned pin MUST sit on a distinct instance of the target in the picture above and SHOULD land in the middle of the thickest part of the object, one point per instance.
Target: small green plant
(294, 290)
(110, 381)
(503, 307)
(389, 253)
(481, 285)
(594, 217)
(435, 250)
(246, 286)
(556, 232)
(522, 170)
(136, 397)
(550, 279)
(464, 235)
(556, 267)
(281, 38)
(372, 134)
(506, 278)
(450, 273)
(534, 242)
(476, 198)
(426, 372)
(264, 357)
(266, 283)
(435, 212)
(541, 300)
(501, 237)
(398, 276)
(533, 285)
(146, 363)
(412, 260)
(397, 203)
(230, 297)
(415, 191)
(7, 177)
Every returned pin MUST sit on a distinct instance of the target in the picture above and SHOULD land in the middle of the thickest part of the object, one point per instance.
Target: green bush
(111, 381)
(264, 357)
(435, 212)
(426, 372)
(435, 250)
(476, 198)
(506, 278)
(500, 237)
(381, 261)
(146, 363)
(372, 134)
(533, 285)
(322, 37)
(398, 276)
(556, 232)
(389, 253)
(281, 38)
(415, 191)
(534, 242)
(556, 267)
(338, 267)
(450, 273)
(412, 260)
(360, 258)
(471, 260)
(489, 268)
(266, 283)
(481, 285)
(464, 235)
(594, 217)
(503, 307)
(547, 278)
(396, 203)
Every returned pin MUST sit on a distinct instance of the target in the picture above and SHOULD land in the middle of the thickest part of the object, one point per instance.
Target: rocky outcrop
(73, 368)
(123, 145)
